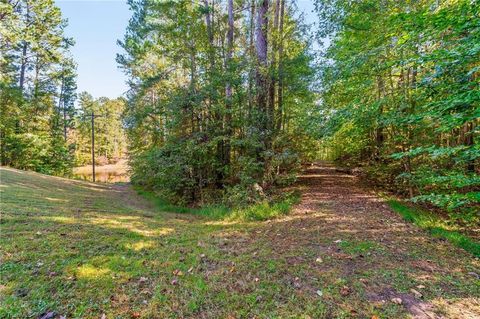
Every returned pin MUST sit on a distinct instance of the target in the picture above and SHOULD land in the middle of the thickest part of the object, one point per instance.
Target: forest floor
(74, 249)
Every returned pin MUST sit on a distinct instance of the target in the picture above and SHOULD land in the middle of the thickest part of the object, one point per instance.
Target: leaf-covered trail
(363, 254)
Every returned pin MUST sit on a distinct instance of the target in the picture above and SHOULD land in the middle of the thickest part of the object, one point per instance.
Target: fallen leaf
(319, 260)
(363, 281)
(474, 274)
(416, 293)
(420, 286)
(345, 291)
(178, 272)
(397, 301)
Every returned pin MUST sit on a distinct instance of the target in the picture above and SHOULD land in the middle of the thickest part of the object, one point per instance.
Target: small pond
(112, 173)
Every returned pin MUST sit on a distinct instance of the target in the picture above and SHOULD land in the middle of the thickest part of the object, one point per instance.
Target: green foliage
(401, 96)
(264, 210)
(110, 138)
(208, 120)
(37, 87)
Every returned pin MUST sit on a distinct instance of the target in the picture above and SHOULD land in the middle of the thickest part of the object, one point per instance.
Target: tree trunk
(469, 129)
(280, 68)
(272, 84)
(62, 110)
(379, 133)
(251, 51)
(261, 76)
(228, 88)
(23, 66)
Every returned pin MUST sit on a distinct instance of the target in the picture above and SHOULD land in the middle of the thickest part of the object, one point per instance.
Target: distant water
(104, 177)
(112, 173)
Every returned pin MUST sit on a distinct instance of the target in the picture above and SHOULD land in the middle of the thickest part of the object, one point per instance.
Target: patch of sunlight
(221, 222)
(127, 218)
(292, 217)
(465, 308)
(140, 245)
(56, 199)
(96, 189)
(91, 272)
(59, 219)
(133, 226)
(12, 170)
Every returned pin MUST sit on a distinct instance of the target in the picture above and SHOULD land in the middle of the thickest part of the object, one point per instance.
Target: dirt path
(348, 242)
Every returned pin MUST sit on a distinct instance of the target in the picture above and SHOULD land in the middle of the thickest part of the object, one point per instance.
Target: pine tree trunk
(228, 88)
(23, 66)
(280, 69)
(272, 84)
(261, 70)
(251, 52)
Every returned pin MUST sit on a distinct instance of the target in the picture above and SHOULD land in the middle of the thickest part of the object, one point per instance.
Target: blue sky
(96, 25)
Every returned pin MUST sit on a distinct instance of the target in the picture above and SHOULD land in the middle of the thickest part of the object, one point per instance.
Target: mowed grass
(82, 250)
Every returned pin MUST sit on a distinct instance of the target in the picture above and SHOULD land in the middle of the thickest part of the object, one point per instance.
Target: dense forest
(227, 98)
(221, 97)
(400, 96)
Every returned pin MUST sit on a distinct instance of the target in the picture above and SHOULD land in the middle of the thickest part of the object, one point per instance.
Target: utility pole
(93, 146)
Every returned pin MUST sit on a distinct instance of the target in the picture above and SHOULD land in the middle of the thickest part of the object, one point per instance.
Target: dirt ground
(347, 239)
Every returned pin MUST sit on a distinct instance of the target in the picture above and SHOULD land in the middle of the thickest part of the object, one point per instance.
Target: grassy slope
(83, 250)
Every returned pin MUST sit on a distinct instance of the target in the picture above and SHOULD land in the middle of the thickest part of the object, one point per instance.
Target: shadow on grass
(435, 226)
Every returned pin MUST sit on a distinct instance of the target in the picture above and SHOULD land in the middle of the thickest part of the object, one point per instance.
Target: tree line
(41, 128)
(400, 96)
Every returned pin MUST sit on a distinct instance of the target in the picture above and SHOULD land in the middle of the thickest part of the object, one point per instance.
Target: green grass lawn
(82, 249)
